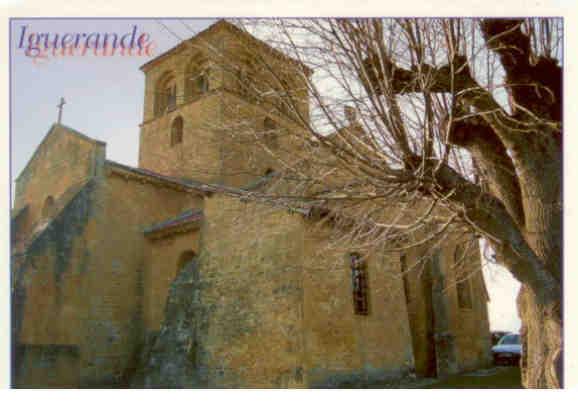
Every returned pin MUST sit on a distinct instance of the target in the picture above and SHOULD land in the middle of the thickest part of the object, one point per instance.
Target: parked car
(508, 350)
(497, 335)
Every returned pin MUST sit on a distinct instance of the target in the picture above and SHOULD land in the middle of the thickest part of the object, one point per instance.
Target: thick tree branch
(488, 215)
(529, 144)
(412, 80)
(495, 165)
(535, 83)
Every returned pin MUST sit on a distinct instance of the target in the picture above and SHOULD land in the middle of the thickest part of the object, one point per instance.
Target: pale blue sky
(104, 98)
(104, 95)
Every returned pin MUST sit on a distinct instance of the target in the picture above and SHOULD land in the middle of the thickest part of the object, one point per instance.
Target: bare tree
(454, 123)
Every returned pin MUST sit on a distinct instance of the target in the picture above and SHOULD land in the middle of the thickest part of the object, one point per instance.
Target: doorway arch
(185, 258)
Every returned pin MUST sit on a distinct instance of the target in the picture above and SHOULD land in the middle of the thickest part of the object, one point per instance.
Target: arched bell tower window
(165, 94)
(197, 80)
(202, 82)
(48, 207)
(197, 84)
(177, 131)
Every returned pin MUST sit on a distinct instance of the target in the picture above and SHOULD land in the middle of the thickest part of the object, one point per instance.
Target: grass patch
(496, 378)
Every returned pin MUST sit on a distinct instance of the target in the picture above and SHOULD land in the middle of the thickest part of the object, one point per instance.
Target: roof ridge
(78, 133)
(157, 176)
(183, 218)
(53, 127)
(222, 22)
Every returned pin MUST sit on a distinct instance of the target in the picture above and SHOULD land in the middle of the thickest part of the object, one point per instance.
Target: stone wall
(116, 305)
(161, 267)
(251, 276)
(468, 327)
(198, 156)
(170, 358)
(50, 296)
(471, 325)
(340, 347)
(274, 307)
(48, 366)
(81, 283)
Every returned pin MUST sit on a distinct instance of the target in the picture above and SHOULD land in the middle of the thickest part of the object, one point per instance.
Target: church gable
(65, 158)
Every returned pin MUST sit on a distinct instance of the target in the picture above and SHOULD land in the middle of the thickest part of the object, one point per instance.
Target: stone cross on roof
(60, 106)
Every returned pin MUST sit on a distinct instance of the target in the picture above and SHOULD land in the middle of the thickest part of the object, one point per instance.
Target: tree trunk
(542, 359)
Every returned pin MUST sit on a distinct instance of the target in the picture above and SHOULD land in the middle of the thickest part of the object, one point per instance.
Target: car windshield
(510, 340)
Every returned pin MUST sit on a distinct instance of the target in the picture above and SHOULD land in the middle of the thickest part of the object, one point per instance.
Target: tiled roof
(164, 179)
(190, 217)
(222, 23)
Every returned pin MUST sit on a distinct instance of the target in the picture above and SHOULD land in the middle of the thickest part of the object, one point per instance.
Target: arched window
(197, 81)
(202, 82)
(165, 94)
(197, 84)
(359, 284)
(48, 207)
(177, 131)
(184, 259)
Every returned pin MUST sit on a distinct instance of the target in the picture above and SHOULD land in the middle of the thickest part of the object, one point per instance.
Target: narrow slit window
(403, 266)
(463, 286)
(177, 131)
(464, 294)
(359, 284)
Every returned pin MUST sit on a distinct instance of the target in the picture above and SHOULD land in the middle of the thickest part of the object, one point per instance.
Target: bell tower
(212, 110)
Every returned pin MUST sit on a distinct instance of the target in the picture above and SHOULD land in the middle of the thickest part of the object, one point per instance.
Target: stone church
(162, 276)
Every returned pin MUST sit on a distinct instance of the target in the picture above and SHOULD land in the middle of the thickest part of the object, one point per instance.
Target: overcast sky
(104, 98)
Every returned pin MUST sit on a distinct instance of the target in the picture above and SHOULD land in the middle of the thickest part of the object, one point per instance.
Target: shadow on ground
(494, 378)
(499, 377)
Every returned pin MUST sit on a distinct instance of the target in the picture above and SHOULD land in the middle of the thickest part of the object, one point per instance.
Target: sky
(104, 95)
(104, 99)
